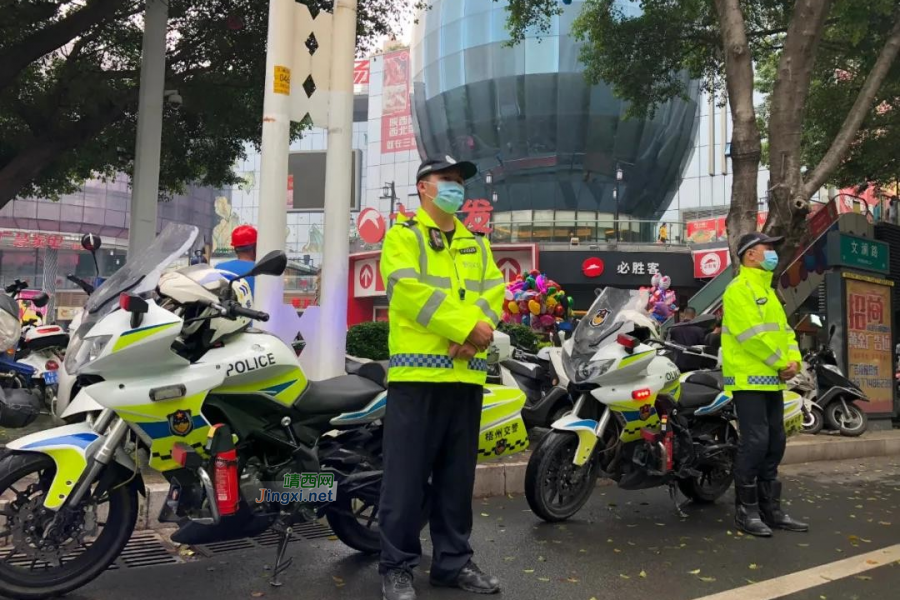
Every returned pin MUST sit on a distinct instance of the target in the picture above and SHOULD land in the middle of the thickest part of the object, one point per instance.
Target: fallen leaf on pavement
(337, 579)
(541, 559)
(485, 515)
(884, 522)
(543, 579)
(528, 570)
(333, 538)
(257, 594)
(624, 576)
(642, 574)
(582, 551)
(753, 566)
(694, 572)
(864, 578)
(509, 558)
(572, 580)
(871, 562)
(803, 545)
(707, 579)
(617, 551)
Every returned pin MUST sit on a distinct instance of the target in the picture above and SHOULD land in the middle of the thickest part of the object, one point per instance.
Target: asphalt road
(623, 545)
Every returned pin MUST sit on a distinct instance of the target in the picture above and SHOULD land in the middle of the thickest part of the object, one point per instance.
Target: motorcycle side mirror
(41, 300)
(273, 263)
(92, 243)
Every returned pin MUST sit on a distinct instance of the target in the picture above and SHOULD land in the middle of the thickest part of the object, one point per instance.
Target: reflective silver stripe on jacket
(773, 359)
(756, 330)
(485, 307)
(431, 306)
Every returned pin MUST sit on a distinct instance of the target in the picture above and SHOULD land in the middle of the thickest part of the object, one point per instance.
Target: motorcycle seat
(531, 371)
(346, 393)
(711, 379)
(375, 371)
(694, 395)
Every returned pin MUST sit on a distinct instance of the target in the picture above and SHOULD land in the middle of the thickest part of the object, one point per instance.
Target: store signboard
(397, 132)
(858, 253)
(870, 363)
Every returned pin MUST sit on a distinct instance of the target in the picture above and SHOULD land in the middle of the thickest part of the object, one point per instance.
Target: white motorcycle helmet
(10, 326)
(189, 291)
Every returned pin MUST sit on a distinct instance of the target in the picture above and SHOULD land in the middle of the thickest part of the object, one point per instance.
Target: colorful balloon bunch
(662, 302)
(536, 301)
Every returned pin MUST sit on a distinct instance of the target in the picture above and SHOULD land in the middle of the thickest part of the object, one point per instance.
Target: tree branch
(17, 57)
(746, 147)
(857, 114)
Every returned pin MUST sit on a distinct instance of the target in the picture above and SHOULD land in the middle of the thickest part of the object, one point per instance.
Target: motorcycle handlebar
(256, 315)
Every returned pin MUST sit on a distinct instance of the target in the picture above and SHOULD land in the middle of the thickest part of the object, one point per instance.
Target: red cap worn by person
(243, 237)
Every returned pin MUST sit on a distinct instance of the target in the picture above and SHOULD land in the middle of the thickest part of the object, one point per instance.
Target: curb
(506, 478)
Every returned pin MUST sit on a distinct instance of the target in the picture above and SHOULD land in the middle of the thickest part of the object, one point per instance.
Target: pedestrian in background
(445, 296)
(759, 354)
(663, 233)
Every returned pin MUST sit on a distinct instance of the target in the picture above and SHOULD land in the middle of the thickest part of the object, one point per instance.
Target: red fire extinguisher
(225, 473)
(667, 442)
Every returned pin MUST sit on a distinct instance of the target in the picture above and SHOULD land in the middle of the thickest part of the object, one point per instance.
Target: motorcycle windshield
(604, 318)
(141, 273)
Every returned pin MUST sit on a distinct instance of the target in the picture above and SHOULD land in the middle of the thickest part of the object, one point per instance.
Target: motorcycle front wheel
(813, 420)
(39, 561)
(851, 423)
(555, 488)
(354, 520)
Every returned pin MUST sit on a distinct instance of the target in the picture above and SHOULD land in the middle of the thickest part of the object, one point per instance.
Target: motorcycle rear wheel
(20, 576)
(550, 475)
(355, 522)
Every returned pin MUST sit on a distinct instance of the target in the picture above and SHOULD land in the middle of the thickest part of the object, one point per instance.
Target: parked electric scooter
(830, 397)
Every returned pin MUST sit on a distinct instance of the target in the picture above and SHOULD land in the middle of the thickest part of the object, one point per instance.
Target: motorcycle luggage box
(18, 408)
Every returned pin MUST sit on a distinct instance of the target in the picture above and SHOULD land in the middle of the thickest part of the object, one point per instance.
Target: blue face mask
(450, 196)
(770, 260)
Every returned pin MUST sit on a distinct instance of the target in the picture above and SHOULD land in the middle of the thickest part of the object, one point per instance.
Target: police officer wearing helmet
(446, 295)
(759, 354)
(243, 240)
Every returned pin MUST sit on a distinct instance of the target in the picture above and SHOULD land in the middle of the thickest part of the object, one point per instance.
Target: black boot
(397, 584)
(770, 508)
(746, 515)
(472, 579)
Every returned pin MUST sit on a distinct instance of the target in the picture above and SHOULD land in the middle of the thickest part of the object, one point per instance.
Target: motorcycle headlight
(582, 370)
(81, 352)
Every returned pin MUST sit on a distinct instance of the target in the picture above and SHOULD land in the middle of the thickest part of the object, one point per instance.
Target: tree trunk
(788, 203)
(746, 148)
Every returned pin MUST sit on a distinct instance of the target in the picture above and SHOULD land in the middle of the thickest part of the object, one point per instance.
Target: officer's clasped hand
(482, 336)
(462, 351)
(789, 372)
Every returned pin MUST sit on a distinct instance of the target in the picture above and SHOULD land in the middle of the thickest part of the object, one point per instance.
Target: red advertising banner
(870, 362)
(706, 231)
(361, 72)
(396, 118)
(709, 263)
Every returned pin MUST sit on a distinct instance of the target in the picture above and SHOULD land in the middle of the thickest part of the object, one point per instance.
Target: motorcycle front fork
(104, 454)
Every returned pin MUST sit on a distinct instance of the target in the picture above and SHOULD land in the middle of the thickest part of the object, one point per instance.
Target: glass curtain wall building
(548, 144)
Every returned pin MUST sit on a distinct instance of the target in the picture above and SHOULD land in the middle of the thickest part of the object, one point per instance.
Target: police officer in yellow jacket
(446, 295)
(759, 354)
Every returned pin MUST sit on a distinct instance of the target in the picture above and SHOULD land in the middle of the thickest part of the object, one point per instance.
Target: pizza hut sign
(709, 263)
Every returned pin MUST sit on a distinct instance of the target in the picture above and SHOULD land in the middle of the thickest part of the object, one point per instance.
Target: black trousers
(761, 447)
(430, 429)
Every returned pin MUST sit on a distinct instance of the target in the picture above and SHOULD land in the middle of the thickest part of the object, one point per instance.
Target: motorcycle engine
(251, 483)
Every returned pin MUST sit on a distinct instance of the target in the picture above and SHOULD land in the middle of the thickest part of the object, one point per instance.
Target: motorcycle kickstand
(279, 567)
(673, 494)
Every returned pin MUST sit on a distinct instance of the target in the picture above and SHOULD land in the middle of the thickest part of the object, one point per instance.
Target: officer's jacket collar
(759, 276)
(461, 230)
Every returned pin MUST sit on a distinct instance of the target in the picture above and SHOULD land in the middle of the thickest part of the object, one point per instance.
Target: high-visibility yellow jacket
(438, 292)
(757, 341)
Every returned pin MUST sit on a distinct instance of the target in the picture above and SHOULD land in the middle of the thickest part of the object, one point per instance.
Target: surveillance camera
(173, 97)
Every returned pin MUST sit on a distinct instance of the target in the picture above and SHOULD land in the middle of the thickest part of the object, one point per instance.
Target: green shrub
(369, 340)
(521, 336)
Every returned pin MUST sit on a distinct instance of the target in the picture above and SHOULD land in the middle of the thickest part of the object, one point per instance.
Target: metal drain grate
(144, 549)
(302, 531)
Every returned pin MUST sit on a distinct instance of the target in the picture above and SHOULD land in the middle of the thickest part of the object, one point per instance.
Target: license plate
(51, 377)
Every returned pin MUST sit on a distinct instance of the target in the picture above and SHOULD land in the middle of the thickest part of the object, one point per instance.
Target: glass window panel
(451, 38)
(453, 71)
(476, 31)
